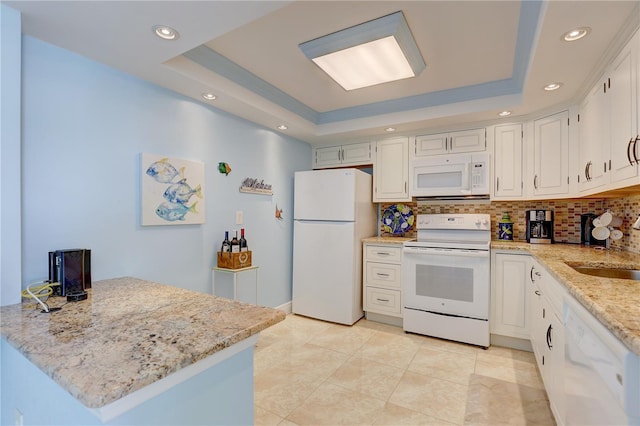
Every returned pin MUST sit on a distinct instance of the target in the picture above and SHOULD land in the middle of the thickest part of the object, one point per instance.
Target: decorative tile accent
(628, 208)
(566, 215)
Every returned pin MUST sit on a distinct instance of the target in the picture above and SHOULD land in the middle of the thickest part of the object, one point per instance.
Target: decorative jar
(505, 228)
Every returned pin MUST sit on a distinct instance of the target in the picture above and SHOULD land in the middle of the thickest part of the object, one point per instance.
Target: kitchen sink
(628, 274)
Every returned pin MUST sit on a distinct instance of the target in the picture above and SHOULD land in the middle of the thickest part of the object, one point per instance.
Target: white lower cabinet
(526, 303)
(382, 279)
(509, 295)
(547, 335)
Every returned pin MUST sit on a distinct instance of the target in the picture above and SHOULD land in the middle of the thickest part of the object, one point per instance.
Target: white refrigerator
(332, 213)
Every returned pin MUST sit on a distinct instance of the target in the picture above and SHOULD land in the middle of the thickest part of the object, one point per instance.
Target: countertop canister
(505, 228)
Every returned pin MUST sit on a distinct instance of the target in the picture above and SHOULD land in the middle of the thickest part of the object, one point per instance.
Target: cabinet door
(467, 141)
(507, 163)
(622, 102)
(431, 144)
(356, 154)
(536, 324)
(556, 366)
(594, 139)
(510, 299)
(551, 155)
(391, 170)
(327, 157)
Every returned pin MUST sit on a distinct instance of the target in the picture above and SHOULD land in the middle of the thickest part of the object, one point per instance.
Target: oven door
(447, 281)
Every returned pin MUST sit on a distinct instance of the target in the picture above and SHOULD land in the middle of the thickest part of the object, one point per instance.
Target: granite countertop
(614, 302)
(128, 334)
(386, 240)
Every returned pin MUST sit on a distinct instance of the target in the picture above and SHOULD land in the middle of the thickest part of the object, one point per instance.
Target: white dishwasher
(602, 376)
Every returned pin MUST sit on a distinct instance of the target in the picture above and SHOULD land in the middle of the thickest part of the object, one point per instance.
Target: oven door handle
(445, 252)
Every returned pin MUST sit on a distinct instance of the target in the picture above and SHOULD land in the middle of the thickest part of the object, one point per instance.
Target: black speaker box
(72, 269)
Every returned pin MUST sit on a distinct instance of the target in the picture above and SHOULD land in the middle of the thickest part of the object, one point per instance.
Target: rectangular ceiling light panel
(375, 52)
(368, 64)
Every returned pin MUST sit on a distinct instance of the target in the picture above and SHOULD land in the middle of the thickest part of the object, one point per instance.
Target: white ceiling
(482, 57)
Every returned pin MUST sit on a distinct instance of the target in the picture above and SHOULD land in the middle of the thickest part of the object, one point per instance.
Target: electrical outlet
(239, 217)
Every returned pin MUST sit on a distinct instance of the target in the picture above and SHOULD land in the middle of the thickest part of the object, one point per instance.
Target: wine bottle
(226, 245)
(235, 244)
(243, 241)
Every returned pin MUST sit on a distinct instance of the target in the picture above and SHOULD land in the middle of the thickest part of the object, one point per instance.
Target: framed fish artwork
(172, 191)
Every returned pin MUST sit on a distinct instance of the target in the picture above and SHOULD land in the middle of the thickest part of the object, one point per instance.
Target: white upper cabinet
(450, 143)
(344, 155)
(609, 126)
(623, 113)
(391, 170)
(551, 155)
(507, 162)
(594, 140)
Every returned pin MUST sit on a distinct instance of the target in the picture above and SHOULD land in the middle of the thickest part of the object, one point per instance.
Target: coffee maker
(586, 227)
(540, 226)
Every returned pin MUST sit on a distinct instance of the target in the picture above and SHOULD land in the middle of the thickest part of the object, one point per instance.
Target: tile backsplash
(566, 215)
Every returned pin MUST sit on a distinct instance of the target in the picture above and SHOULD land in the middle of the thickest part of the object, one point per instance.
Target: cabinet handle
(535, 182)
(635, 143)
(587, 171)
(383, 253)
(531, 274)
(382, 275)
(382, 300)
(405, 187)
(549, 343)
(497, 184)
(629, 151)
(605, 167)
(537, 292)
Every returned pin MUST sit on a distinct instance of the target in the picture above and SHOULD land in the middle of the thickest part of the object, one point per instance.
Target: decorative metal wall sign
(255, 186)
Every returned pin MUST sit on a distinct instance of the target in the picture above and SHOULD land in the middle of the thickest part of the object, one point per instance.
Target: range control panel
(463, 221)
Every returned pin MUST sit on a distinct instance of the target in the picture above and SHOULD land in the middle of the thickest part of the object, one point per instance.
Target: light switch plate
(239, 217)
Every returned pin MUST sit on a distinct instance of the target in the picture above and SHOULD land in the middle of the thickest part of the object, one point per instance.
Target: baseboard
(385, 319)
(511, 342)
(285, 307)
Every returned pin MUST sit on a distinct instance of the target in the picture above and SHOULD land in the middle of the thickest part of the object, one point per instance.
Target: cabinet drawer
(383, 301)
(383, 274)
(384, 254)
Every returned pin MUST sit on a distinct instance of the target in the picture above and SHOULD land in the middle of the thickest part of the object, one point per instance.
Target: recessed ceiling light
(282, 127)
(390, 129)
(552, 86)
(576, 34)
(209, 96)
(504, 113)
(165, 33)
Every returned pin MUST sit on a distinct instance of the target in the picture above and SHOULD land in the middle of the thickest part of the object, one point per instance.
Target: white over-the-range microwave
(452, 175)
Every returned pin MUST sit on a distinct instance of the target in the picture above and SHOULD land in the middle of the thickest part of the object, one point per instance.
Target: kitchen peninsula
(134, 352)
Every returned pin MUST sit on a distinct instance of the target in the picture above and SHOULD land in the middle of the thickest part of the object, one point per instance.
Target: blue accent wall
(10, 208)
(84, 126)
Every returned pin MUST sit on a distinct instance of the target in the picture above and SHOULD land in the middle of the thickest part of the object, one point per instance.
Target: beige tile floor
(310, 372)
